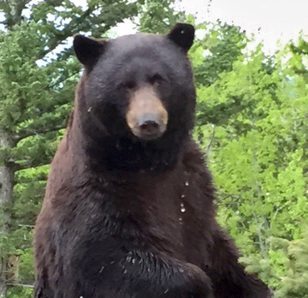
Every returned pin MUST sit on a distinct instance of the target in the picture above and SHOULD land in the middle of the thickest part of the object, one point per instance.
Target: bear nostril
(149, 125)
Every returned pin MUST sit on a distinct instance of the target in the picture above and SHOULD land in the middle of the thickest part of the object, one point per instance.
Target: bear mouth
(149, 130)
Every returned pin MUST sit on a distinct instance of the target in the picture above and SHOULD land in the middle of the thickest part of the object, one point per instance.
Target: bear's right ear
(88, 49)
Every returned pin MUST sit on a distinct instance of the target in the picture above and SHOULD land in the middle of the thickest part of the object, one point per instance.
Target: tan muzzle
(146, 116)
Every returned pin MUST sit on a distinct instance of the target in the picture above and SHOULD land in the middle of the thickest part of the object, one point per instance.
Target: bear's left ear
(183, 35)
(88, 50)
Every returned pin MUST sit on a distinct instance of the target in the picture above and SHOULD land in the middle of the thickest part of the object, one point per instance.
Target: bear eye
(155, 79)
(129, 85)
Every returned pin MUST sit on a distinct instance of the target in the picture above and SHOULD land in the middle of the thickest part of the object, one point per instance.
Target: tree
(221, 45)
(251, 124)
(158, 16)
(295, 283)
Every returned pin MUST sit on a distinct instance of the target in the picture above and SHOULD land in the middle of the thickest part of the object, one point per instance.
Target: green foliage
(216, 52)
(294, 284)
(20, 291)
(251, 124)
(158, 16)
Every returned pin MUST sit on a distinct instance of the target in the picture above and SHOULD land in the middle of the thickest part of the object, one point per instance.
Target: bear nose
(149, 126)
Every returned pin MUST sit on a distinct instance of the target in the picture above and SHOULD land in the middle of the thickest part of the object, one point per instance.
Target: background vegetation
(250, 123)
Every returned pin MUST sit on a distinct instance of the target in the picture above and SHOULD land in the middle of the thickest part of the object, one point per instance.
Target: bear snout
(146, 117)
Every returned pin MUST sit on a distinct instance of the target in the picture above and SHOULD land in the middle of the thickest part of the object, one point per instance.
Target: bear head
(136, 99)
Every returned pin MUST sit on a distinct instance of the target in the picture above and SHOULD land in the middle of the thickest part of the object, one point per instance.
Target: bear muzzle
(146, 116)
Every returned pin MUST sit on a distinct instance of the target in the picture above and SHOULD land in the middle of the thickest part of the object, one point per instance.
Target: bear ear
(183, 35)
(88, 49)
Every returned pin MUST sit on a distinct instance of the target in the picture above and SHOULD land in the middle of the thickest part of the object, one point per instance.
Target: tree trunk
(6, 192)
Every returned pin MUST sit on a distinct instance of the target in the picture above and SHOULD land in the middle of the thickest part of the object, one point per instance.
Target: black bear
(128, 210)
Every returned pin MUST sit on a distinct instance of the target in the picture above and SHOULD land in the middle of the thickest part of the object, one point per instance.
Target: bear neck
(127, 155)
(124, 154)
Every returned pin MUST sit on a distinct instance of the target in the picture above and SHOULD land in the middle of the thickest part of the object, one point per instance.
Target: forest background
(250, 124)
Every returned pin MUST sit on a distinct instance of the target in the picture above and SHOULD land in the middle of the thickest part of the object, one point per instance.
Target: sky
(277, 19)
(269, 20)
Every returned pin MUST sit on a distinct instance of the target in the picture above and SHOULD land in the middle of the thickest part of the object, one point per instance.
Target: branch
(32, 132)
(211, 140)
(14, 166)
(69, 30)
(22, 166)
(13, 15)
(19, 285)
(26, 226)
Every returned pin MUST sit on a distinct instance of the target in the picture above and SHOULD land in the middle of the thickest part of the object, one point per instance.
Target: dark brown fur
(147, 231)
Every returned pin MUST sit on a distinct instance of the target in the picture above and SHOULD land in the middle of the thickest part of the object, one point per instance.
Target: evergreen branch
(13, 15)
(25, 165)
(26, 226)
(211, 140)
(70, 29)
(20, 285)
(33, 132)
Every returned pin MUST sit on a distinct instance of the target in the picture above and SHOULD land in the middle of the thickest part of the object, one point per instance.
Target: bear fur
(129, 205)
